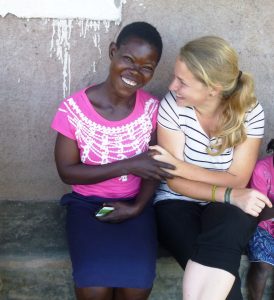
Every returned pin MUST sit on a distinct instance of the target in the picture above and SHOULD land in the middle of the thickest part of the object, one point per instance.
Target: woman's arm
(73, 171)
(173, 141)
(124, 210)
(249, 200)
(238, 175)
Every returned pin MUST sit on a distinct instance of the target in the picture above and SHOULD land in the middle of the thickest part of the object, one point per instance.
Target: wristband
(227, 195)
(213, 193)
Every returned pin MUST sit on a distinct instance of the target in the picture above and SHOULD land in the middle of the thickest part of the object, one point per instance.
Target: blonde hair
(215, 63)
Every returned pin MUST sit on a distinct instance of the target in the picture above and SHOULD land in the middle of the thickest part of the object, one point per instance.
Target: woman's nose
(135, 67)
(173, 85)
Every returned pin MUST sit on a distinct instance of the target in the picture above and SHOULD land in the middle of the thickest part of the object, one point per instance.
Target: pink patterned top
(102, 141)
(263, 181)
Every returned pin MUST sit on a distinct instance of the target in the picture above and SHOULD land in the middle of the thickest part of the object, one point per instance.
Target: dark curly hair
(142, 30)
(270, 146)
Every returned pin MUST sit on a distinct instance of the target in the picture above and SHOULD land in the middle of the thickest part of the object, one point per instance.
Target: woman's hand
(73, 171)
(250, 201)
(164, 156)
(144, 165)
(122, 211)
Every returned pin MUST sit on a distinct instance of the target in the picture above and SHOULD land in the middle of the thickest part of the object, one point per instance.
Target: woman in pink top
(104, 132)
(261, 245)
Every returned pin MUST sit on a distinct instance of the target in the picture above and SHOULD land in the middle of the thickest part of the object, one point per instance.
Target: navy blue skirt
(106, 254)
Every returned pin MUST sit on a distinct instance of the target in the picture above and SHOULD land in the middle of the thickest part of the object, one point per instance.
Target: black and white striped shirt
(197, 141)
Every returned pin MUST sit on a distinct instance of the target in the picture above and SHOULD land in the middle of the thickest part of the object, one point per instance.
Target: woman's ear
(215, 91)
(112, 50)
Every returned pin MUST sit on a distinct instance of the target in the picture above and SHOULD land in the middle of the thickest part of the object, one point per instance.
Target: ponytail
(236, 103)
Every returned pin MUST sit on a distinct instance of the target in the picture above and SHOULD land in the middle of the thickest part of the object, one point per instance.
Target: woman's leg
(217, 252)
(235, 292)
(205, 283)
(131, 294)
(256, 279)
(94, 293)
(178, 224)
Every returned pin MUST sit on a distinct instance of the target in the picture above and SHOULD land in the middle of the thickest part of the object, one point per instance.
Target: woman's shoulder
(77, 101)
(255, 121)
(169, 102)
(70, 110)
(78, 96)
(169, 98)
(254, 111)
(147, 102)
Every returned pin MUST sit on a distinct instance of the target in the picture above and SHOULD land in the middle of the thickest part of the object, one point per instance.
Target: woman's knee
(131, 294)
(94, 293)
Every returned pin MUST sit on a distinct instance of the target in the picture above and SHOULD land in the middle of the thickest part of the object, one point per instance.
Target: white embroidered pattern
(100, 144)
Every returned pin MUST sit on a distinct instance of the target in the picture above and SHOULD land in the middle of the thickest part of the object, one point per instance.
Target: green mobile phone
(104, 211)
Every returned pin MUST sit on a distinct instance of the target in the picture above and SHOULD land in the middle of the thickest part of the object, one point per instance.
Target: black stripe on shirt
(256, 116)
(170, 116)
(172, 97)
(169, 191)
(253, 107)
(196, 140)
(197, 131)
(166, 126)
(260, 135)
(186, 116)
(258, 127)
(209, 162)
(255, 122)
(171, 107)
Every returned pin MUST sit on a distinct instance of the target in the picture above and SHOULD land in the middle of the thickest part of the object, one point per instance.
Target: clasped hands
(160, 154)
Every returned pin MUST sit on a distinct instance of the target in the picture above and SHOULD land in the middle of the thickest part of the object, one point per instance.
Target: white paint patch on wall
(90, 15)
(60, 43)
(63, 9)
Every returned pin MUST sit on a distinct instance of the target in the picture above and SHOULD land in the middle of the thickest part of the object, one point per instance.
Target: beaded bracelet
(213, 193)
(227, 195)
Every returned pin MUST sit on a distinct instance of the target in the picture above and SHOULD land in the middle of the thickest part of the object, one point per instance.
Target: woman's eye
(128, 59)
(148, 68)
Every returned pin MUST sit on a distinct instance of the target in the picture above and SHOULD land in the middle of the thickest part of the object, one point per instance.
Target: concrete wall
(34, 79)
(43, 60)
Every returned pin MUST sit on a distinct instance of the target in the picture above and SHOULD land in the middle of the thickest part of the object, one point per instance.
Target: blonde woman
(210, 126)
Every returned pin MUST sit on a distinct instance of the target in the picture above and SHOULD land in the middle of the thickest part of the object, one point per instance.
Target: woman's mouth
(180, 100)
(129, 82)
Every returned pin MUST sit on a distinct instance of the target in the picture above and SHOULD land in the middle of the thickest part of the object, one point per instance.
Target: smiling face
(132, 66)
(189, 91)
